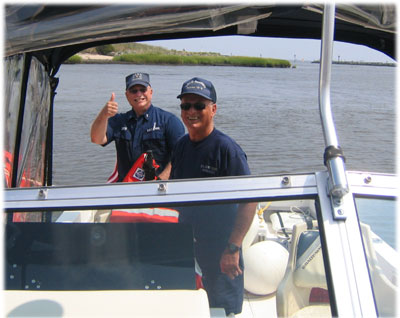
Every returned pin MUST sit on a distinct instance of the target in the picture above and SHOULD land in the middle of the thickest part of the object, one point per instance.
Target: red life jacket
(24, 183)
(137, 172)
(144, 215)
(143, 169)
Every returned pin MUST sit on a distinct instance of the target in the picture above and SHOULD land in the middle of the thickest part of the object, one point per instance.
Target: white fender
(264, 267)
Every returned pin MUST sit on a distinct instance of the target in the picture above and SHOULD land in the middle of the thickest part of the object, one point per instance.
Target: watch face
(233, 248)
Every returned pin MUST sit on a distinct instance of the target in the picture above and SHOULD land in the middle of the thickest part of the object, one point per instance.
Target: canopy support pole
(333, 157)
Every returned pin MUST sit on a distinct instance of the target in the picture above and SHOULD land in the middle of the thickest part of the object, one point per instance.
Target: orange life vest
(24, 183)
(142, 170)
(145, 215)
(143, 164)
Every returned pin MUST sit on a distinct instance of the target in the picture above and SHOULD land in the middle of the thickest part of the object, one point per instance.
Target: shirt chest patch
(154, 128)
(208, 169)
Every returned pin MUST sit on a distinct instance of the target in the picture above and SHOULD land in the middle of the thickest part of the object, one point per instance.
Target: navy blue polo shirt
(156, 130)
(218, 155)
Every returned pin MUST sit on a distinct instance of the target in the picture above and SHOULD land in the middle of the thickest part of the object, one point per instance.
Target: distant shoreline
(138, 53)
(92, 58)
(360, 63)
(177, 59)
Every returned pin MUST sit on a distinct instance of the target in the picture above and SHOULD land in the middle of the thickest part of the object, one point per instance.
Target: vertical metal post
(348, 268)
(333, 157)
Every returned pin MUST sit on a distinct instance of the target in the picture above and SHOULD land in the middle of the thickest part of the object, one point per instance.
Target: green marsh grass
(75, 59)
(200, 60)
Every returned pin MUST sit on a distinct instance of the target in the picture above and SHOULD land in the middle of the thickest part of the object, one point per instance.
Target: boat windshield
(111, 249)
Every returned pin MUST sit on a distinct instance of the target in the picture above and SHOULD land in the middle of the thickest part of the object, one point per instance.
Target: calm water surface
(271, 113)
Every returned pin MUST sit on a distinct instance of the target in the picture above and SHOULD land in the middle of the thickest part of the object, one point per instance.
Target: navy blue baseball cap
(137, 79)
(200, 87)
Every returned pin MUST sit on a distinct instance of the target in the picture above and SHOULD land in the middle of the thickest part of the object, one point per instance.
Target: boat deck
(258, 306)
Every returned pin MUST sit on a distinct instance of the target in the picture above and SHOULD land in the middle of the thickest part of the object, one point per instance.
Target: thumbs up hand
(111, 107)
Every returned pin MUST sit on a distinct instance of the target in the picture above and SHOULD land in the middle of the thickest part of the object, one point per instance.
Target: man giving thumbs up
(145, 127)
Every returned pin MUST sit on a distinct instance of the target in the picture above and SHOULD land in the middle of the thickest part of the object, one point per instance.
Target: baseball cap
(199, 86)
(137, 79)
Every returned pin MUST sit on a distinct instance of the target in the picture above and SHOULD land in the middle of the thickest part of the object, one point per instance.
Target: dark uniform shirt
(215, 156)
(156, 130)
(218, 155)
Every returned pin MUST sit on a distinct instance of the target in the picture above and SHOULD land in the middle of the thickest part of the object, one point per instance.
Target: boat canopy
(56, 32)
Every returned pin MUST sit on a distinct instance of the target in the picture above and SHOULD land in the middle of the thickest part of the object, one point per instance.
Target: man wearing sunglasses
(218, 229)
(145, 127)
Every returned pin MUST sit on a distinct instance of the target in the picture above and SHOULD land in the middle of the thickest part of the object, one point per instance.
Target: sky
(287, 49)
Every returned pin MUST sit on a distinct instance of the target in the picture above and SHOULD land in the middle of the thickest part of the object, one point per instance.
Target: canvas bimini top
(56, 32)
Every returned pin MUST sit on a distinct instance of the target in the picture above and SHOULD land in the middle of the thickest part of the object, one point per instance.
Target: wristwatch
(232, 248)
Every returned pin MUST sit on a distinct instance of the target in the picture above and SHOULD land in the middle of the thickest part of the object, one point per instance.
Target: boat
(306, 253)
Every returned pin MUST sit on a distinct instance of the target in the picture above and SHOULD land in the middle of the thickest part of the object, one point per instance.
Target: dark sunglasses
(197, 106)
(135, 90)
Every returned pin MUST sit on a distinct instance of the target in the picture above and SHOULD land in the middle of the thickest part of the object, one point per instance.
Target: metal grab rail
(334, 159)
